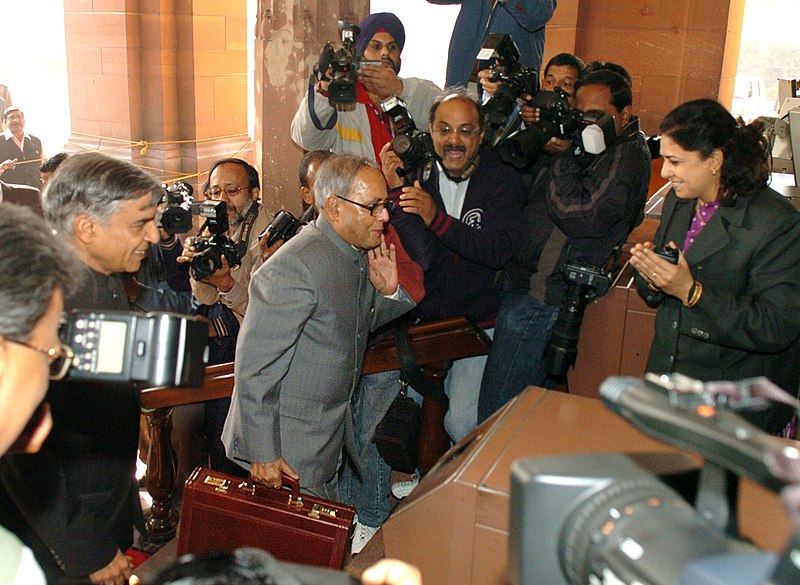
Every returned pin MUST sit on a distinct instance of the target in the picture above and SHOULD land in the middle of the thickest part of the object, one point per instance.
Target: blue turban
(381, 21)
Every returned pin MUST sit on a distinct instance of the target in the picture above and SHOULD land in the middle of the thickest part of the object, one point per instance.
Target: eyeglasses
(374, 209)
(60, 357)
(230, 191)
(464, 132)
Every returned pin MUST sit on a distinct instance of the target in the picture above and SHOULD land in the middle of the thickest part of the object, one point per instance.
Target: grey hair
(33, 263)
(94, 184)
(335, 176)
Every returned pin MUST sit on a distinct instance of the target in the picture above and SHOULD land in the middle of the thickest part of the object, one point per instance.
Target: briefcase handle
(286, 480)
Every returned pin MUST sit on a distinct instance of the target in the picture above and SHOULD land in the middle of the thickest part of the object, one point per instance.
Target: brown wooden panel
(639, 328)
(454, 526)
(600, 343)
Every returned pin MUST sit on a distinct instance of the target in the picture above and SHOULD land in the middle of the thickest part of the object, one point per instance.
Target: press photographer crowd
(508, 198)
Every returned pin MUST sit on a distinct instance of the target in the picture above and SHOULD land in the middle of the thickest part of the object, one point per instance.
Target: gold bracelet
(694, 295)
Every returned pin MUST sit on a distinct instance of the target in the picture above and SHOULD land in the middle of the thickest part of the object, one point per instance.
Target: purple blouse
(701, 216)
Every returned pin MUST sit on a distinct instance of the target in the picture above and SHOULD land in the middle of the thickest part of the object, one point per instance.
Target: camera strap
(466, 173)
(314, 118)
(410, 372)
(247, 227)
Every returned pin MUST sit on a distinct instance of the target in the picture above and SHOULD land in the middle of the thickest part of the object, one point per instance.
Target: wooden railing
(435, 345)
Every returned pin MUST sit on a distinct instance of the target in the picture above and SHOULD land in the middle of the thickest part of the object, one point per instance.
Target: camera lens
(206, 262)
(401, 144)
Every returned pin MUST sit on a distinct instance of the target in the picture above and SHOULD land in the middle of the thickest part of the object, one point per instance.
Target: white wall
(34, 67)
(428, 29)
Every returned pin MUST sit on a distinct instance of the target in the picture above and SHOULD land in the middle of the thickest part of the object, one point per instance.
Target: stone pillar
(289, 37)
(169, 73)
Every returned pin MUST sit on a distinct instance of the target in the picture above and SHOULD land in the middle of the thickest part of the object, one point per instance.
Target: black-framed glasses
(60, 357)
(228, 190)
(374, 209)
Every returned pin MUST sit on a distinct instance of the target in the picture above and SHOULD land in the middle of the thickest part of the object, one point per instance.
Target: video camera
(177, 219)
(501, 55)
(594, 130)
(415, 148)
(584, 284)
(612, 518)
(157, 349)
(342, 65)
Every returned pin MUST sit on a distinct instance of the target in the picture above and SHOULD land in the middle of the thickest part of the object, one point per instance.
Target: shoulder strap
(314, 118)
(410, 371)
(247, 226)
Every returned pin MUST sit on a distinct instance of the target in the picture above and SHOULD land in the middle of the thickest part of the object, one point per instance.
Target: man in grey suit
(302, 342)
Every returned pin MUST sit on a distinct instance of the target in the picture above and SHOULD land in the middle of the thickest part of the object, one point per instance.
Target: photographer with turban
(364, 130)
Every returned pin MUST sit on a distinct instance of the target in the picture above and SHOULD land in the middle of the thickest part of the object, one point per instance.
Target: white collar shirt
(453, 194)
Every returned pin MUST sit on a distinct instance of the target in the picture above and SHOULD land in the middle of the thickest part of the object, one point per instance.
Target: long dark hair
(704, 125)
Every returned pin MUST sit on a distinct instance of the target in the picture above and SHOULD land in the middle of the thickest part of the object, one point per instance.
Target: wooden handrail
(218, 383)
(435, 345)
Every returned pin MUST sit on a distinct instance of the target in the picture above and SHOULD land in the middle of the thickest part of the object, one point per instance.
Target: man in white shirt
(23, 149)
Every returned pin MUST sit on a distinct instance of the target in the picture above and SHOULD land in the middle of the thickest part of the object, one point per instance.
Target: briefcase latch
(220, 484)
(317, 510)
(249, 488)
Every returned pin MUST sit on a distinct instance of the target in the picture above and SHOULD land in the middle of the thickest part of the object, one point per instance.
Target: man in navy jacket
(459, 220)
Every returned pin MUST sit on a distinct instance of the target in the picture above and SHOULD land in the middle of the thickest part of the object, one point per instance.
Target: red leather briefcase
(224, 512)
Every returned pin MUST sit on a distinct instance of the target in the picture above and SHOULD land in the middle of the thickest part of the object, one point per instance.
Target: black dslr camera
(593, 130)
(584, 283)
(343, 65)
(177, 219)
(502, 55)
(209, 251)
(285, 226)
(415, 148)
(556, 119)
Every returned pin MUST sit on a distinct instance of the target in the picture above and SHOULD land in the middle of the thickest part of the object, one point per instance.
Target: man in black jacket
(461, 222)
(75, 503)
(580, 207)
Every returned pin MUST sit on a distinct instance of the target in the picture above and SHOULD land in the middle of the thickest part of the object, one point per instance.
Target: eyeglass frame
(53, 353)
(387, 204)
(462, 132)
(229, 191)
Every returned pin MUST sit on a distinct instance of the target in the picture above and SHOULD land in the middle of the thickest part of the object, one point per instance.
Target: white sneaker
(361, 536)
(401, 489)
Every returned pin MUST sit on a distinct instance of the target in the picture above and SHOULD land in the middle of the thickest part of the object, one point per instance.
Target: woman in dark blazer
(730, 308)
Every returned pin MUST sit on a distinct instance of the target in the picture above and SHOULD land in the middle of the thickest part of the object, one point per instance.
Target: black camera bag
(397, 434)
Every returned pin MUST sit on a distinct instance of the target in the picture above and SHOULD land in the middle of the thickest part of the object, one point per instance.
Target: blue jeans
(516, 359)
(462, 387)
(369, 494)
